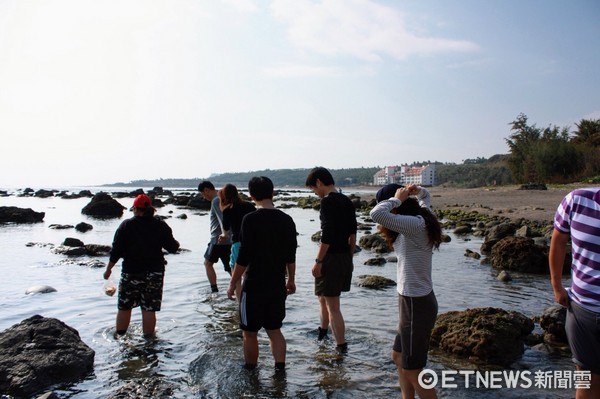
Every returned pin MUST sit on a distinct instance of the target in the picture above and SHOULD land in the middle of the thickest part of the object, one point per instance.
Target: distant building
(405, 175)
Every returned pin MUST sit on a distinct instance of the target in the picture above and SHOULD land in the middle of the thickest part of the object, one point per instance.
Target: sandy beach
(508, 201)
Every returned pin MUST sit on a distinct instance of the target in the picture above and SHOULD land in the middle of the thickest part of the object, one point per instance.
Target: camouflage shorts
(141, 289)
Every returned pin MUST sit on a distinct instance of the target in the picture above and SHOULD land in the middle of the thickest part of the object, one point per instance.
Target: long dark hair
(229, 195)
(411, 207)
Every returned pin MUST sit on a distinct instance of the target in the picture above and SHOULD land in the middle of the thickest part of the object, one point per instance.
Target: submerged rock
(103, 205)
(13, 214)
(39, 289)
(374, 282)
(41, 352)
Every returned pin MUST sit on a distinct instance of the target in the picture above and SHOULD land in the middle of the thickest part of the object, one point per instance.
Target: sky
(95, 92)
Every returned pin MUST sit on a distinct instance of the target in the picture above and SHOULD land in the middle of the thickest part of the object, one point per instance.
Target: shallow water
(198, 350)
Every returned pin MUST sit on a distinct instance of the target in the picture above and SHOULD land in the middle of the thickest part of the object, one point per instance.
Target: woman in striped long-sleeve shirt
(411, 228)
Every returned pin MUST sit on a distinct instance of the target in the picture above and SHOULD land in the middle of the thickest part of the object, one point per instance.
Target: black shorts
(141, 289)
(417, 318)
(214, 252)
(262, 310)
(336, 275)
(583, 332)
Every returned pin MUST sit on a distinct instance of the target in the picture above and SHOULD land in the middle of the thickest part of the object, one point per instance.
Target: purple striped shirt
(579, 215)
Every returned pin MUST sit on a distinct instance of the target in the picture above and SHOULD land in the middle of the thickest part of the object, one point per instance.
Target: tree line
(537, 155)
(554, 154)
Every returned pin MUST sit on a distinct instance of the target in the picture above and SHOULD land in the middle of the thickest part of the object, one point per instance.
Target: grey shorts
(336, 275)
(141, 289)
(583, 331)
(417, 318)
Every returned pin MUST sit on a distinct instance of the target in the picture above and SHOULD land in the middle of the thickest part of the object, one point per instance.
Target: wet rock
(482, 335)
(12, 214)
(463, 230)
(44, 193)
(316, 237)
(520, 254)
(69, 251)
(552, 321)
(97, 249)
(197, 202)
(39, 289)
(60, 226)
(103, 205)
(472, 254)
(41, 352)
(504, 276)
(73, 242)
(153, 387)
(83, 227)
(374, 282)
(374, 242)
(377, 261)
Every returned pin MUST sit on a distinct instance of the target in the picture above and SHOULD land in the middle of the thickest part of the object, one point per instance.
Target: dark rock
(44, 194)
(552, 321)
(463, 229)
(198, 202)
(472, 254)
(60, 226)
(103, 205)
(70, 251)
(41, 352)
(316, 237)
(182, 216)
(520, 254)
(73, 242)
(375, 243)
(504, 276)
(377, 261)
(83, 227)
(153, 387)
(482, 335)
(533, 186)
(97, 250)
(12, 214)
(374, 282)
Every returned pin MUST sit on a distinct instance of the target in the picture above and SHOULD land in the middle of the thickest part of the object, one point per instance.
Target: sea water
(198, 349)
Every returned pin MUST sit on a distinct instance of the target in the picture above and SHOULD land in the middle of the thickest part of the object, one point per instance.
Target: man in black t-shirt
(267, 251)
(333, 265)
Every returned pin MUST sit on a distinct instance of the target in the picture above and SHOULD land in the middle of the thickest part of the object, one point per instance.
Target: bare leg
(148, 323)
(324, 313)
(278, 345)
(250, 347)
(210, 272)
(336, 319)
(408, 392)
(123, 319)
(593, 392)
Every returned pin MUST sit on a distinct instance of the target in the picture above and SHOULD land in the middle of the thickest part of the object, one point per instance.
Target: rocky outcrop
(552, 321)
(83, 227)
(41, 352)
(375, 243)
(12, 214)
(482, 335)
(103, 205)
(520, 254)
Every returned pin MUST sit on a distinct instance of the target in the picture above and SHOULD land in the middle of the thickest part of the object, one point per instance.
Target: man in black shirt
(333, 265)
(139, 241)
(267, 251)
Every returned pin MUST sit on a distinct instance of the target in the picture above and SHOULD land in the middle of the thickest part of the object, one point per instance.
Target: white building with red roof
(405, 175)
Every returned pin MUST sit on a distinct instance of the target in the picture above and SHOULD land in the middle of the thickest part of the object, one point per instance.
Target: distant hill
(471, 173)
(280, 177)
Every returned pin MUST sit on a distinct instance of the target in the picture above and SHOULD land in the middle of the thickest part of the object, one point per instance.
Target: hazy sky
(95, 92)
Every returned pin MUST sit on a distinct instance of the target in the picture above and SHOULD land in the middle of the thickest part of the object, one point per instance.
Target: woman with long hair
(234, 209)
(411, 228)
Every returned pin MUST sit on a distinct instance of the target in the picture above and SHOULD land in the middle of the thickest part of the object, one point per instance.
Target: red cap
(142, 201)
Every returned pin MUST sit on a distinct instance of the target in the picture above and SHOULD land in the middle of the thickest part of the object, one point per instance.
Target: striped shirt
(412, 245)
(579, 215)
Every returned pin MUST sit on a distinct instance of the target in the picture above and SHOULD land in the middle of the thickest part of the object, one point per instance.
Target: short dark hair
(260, 188)
(319, 173)
(205, 184)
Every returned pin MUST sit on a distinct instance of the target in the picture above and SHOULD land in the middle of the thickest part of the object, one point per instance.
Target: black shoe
(342, 348)
(249, 367)
(322, 333)
(214, 288)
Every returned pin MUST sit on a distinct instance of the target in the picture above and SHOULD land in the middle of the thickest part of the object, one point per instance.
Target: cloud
(242, 5)
(357, 28)
(300, 71)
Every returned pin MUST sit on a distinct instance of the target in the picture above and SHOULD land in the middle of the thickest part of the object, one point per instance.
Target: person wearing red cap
(412, 229)
(139, 242)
